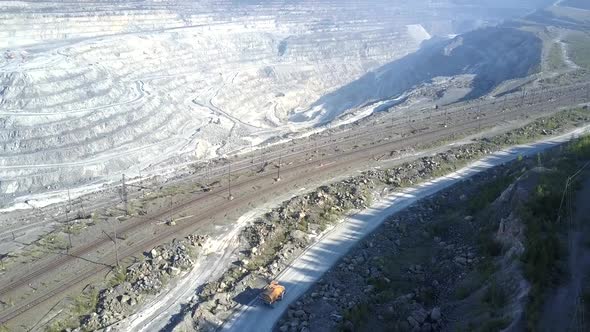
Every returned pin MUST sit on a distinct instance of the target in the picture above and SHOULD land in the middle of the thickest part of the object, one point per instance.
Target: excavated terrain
(186, 121)
(91, 90)
(466, 258)
(273, 241)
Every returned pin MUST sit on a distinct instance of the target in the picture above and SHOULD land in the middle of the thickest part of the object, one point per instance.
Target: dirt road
(321, 256)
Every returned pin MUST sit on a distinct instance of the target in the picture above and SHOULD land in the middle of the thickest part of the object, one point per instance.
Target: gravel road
(321, 256)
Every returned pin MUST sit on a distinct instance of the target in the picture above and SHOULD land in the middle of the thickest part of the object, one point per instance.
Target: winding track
(289, 173)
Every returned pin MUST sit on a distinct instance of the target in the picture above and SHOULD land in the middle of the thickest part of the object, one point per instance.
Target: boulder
(348, 326)
(299, 313)
(154, 253)
(435, 314)
(413, 323)
(419, 315)
(299, 235)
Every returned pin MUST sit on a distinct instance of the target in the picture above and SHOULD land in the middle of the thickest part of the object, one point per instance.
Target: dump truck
(273, 293)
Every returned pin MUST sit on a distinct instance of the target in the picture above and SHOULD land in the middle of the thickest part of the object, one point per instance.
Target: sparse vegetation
(555, 58)
(475, 279)
(494, 325)
(357, 315)
(545, 252)
(60, 325)
(543, 249)
(580, 148)
(489, 193)
(495, 296)
(119, 276)
(268, 252)
(579, 49)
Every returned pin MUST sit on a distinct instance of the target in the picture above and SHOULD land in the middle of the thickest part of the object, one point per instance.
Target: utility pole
(124, 194)
(68, 226)
(141, 184)
(207, 174)
(320, 155)
(229, 196)
(82, 208)
(115, 240)
(2, 256)
(479, 115)
(279, 168)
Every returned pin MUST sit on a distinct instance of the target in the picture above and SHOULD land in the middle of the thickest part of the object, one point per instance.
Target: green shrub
(495, 296)
(494, 325)
(579, 49)
(491, 247)
(489, 193)
(580, 147)
(544, 251)
(357, 315)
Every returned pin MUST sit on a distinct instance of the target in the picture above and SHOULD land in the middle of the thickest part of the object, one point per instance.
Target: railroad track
(346, 158)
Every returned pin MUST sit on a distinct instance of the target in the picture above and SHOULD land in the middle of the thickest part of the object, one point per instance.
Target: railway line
(300, 156)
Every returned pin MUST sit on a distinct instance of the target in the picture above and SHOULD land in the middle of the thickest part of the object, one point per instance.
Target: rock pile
(272, 241)
(143, 278)
(431, 262)
(423, 320)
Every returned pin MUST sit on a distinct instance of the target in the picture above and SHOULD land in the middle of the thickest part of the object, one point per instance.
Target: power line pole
(68, 226)
(229, 196)
(82, 207)
(141, 184)
(279, 168)
(479, 115)
(124, 194)
(116, 246)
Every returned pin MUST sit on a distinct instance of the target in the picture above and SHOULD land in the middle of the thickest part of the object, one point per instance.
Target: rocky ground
(465, 259)
(141, 279)
(271, 242)
(275, 239)
(421, 269)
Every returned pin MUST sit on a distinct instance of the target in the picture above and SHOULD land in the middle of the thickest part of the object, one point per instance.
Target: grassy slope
(579, 49)
(555, 58)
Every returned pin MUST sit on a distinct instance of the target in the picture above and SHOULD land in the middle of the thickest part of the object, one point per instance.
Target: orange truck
(273, 293)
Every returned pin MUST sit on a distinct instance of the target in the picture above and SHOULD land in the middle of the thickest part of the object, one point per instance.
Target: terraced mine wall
(92, 90)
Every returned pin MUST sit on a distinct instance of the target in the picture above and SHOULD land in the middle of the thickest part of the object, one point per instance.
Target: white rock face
(93, 89)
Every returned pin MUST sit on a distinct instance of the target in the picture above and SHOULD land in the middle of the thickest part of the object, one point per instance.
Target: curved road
(321, 256)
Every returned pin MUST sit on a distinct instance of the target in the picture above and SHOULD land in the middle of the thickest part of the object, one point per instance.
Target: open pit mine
(290, 165)
(90, 90)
